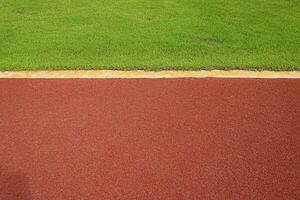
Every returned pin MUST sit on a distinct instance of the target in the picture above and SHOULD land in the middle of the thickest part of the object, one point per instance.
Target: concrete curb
(149, 74)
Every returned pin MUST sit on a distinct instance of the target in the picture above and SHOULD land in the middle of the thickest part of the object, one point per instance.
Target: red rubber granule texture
(69, 139)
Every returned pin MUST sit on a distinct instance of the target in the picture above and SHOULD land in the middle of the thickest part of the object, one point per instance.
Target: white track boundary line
(66, 74)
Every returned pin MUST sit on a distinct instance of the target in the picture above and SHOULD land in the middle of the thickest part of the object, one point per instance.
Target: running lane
(149, 139)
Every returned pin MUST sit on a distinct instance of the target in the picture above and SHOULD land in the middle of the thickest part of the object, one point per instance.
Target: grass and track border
(69, 74)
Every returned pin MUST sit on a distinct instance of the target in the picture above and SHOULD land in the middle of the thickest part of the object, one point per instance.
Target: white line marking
(148, 74)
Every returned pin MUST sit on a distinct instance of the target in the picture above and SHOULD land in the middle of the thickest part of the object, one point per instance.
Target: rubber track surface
(149, 139)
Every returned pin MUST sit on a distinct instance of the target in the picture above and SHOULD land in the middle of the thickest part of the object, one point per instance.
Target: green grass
(150, 34)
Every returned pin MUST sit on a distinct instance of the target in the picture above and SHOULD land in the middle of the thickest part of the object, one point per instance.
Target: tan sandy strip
(149, 74)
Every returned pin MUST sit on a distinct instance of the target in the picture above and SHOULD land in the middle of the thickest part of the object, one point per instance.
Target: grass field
(150, 34)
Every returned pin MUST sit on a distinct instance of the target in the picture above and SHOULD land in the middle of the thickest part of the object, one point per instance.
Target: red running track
(149, 139)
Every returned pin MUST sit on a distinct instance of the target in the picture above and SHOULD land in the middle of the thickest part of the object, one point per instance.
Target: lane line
(149, 74)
